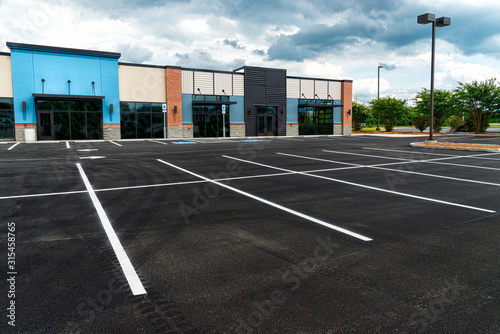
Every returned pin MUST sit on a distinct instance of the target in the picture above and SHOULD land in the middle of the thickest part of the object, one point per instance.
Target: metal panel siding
(293, 88)
(187, 82)
(307, 88)
(335, 90)
(238, 85)
(321, 89)
(224, 82)
(205, 82)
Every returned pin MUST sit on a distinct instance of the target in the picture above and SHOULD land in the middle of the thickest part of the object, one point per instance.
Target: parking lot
(279, 235)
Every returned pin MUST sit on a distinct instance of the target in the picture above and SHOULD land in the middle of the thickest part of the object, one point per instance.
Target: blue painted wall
(187, 109)
(337, 115)
(292, 111)
(237, 111)
(29, 67)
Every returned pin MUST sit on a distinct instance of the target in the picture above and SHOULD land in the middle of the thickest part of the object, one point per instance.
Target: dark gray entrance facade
(265, 101)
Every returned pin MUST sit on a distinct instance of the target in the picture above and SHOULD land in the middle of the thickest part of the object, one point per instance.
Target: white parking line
(127, 267)
(10, 148)
(157, 141)
(280, 207)
(67, 145)
(393, 170)
(475, 156)
(365, 186)
(429, 161)
(115, 143)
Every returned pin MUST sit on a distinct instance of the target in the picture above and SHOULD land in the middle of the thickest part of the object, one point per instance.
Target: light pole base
(431, 141)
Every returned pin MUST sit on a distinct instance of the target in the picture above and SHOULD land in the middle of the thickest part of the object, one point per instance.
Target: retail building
(53, 93)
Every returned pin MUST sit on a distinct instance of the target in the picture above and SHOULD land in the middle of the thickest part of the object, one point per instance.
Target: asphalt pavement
(322, 234)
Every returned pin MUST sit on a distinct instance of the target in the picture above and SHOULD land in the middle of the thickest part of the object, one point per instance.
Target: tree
(388, 109)
(360, 114)
(443, 106)
(479, 100)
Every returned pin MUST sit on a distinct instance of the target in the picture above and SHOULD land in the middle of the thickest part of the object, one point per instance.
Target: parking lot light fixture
(378, 94)
(440, 22)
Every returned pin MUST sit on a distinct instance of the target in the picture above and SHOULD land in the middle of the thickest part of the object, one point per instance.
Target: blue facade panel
(237, 112)
(187, 109)
(29, 67)
(337, 115)
(292, 111)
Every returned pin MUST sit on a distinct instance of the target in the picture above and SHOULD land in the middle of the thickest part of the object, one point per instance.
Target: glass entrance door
(266, 121)
(46, 125)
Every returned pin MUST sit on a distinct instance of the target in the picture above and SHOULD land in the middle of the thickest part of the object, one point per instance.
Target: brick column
(347, 103)
(175, 129)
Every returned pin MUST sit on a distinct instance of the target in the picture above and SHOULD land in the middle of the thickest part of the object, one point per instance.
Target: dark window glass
(127, 126)
(156, 107)
(6, 104)
(77, 105)
(7, 124)
(44, 105)
(143, 107)
(315, 121)
(61, 125)
(143, 125)
(198, 97)
(265, 110)
(61, 105)
(127, 106)
(78, 126)
(93, 105)
(208, 121)
(157, 125)
(94, 125)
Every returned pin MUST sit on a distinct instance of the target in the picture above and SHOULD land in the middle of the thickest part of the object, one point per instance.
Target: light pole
(440, 22)
(378, 95)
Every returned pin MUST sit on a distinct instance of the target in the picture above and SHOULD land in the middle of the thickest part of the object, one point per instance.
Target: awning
(214, 103)
(58, 97)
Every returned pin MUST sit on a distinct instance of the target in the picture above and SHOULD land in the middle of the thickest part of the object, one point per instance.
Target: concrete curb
(421, 145)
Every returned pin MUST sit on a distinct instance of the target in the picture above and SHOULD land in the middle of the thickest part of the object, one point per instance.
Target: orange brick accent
(25, 125)
(174, 96)
(347, 102)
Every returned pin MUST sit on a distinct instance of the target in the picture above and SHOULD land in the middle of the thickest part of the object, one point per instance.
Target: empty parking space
(309, 234)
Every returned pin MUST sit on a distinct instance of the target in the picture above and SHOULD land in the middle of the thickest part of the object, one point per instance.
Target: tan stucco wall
(5, 77)
(142, 84)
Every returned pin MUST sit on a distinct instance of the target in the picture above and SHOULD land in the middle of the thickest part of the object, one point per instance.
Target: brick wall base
(337, 130)
(20, 131)
(237, 131)
(292, 130)
(347, 130)
(180, 131)
(111, 132)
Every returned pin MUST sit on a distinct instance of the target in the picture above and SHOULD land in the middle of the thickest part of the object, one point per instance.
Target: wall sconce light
(175, 109)
(93, 87)
(69, 87)
(349, 112)
(111, 108)
(43, 86)
(24, 105)
(199, 91)
(304, 96)
(316, 95)
(224, 92)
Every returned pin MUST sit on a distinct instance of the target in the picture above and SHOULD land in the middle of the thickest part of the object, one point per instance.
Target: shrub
(455, 122)
(421, 122)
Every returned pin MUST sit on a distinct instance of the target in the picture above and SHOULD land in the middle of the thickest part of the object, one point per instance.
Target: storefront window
(7, 125)
(141, 120)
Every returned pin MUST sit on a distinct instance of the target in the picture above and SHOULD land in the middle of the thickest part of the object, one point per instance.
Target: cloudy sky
(318, 38)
